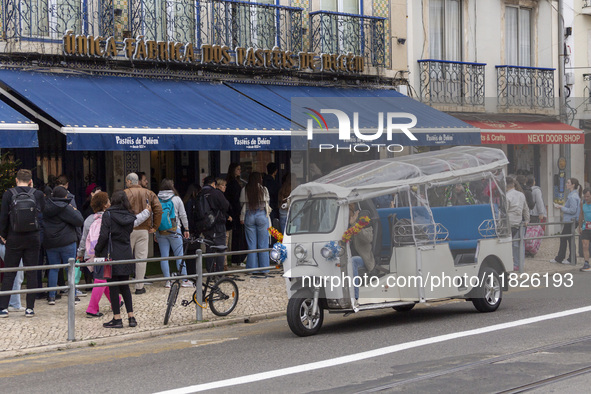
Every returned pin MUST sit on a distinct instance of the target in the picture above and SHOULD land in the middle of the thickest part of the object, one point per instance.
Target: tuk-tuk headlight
(300, 252)
(327, 253)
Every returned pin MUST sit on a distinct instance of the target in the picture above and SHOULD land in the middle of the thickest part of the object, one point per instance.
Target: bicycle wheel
(223, 297)
(174, 292)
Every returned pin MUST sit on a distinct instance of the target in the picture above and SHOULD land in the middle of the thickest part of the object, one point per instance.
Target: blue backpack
(168, 222)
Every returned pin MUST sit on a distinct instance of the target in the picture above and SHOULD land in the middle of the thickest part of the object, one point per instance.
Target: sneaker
(243, 265)
(4, 313)
(132, 322)
(51, 300)
(586, 268)
(13, 309)
(167, 284)
(80, 293)
(187, 283)
(91, 315)
(565, 261)
(115, 323)
(76, 301)
(140, 291)
(29, 313)
(554, 261)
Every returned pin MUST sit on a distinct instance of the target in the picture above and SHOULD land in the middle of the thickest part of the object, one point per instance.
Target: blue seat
(462, 223)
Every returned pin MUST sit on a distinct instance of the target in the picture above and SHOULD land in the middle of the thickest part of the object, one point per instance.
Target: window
(49, 18)
(347, 29)
(445, 23)
(518, 36)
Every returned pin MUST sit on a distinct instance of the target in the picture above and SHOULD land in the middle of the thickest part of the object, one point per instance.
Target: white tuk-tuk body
(428, 243)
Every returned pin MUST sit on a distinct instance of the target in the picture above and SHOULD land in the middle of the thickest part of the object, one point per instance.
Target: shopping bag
(533, 245)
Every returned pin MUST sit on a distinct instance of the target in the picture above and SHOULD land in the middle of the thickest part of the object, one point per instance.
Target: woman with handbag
(255, 216)
(114, 244)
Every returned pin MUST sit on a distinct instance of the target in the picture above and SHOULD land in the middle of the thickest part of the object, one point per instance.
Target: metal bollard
(199, 286)
(71, 300)
(521, 247)
(573, 243)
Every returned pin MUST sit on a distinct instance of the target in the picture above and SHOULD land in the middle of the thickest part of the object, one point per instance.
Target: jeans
(25, 248)
(357, 263)
(58, 256)
(15, 299)
(256, 224)
(165, 242)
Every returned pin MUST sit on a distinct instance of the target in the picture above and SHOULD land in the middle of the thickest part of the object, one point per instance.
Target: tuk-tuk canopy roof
(373, 176)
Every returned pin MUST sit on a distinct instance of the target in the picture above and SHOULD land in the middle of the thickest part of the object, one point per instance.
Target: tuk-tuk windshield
(312, 215)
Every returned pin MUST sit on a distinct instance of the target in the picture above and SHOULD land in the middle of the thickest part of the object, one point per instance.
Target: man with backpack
(138, 198)
(211, 214)
(19, 227)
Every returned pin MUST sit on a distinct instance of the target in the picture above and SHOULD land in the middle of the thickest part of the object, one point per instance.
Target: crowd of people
(119, 227)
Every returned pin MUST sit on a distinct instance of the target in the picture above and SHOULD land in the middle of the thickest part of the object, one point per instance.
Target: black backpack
(23, 211)
(204, 216)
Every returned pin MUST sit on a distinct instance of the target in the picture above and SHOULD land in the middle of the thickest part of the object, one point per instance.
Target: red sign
(502, 132)
(530, 138)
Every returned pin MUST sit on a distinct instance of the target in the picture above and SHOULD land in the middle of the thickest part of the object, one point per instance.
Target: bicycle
(222, 295)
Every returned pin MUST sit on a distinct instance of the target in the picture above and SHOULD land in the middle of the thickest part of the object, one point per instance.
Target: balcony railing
(522, 87)
(339, 33)
(446, 82)
(222, 22)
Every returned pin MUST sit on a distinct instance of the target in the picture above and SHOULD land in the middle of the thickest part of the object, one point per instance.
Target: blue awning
(16, 131)
(433, 127)
(124, 113)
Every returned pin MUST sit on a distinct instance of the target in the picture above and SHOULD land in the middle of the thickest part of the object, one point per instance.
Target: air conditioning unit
(402, 89)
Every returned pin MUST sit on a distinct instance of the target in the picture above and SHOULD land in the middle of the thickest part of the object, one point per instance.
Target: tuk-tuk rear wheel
(490, 293)
(299, 315)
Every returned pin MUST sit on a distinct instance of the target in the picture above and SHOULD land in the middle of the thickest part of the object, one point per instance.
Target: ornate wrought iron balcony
(218, 22)
(531, 87)
(222, 22)
(339, 33)
(446, 82)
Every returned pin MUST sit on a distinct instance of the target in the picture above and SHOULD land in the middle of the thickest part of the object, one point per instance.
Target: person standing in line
(90, 191)
(217, 234)
(584, 227)
(255, 217)
(22, 241)
(538, 213)
(284, 192)
(233, 188)
(272, 185)
(571, 211)
(517, 211)
(138, 198)
(143, 179)
(221, 184)
(169, 233)
(61, 221)
(115, 242)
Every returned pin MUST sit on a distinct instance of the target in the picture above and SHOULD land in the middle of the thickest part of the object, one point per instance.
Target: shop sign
(531, 138)
(169, 51)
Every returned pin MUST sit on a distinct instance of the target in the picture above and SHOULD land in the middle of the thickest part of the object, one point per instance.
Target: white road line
(369, 354)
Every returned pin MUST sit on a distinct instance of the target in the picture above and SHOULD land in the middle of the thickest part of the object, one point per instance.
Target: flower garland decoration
(351, 231)
(275, 234)
(335, 250)
(279, 253)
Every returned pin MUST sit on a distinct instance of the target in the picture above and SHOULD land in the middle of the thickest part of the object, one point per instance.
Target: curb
(140, 335)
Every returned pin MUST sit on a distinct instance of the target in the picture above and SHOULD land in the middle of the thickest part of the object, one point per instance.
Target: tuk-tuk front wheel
(490, 293)
(299, 315)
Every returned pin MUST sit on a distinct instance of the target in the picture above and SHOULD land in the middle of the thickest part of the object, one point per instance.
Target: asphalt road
(504, 358)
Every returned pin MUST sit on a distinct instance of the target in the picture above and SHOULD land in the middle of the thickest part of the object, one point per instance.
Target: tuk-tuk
(397, 232)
